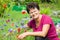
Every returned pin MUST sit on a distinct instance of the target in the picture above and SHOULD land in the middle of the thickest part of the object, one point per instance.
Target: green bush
(45, 11)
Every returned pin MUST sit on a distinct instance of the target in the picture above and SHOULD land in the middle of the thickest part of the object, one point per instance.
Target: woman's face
(34, 13)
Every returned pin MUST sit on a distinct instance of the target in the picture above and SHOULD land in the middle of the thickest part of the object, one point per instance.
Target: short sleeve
(29, 24)
(47, 20)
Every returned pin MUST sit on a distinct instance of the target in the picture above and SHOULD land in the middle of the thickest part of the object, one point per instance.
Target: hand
(21, 36)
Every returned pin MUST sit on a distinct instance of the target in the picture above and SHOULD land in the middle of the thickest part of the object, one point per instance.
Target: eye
(31, 12)
(34, 11)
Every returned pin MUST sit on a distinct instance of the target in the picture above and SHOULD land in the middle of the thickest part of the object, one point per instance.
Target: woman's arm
(42, 33)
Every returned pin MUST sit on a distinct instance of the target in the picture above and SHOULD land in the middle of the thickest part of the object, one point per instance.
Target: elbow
(43, 35)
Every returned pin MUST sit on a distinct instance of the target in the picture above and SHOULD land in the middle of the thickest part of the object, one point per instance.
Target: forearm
(42, 33)
(37, 34)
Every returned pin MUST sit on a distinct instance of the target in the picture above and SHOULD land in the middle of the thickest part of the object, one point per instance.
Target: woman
(42, 25)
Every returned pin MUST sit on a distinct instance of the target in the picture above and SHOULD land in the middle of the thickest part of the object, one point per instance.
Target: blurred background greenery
(11, 16)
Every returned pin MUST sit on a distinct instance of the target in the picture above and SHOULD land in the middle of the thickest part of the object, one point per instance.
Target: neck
(38, 19)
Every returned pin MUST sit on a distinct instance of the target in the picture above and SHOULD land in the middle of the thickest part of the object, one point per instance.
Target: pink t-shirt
(52, 35)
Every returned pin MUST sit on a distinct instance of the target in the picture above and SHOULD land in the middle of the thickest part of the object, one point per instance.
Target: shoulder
(31, 22)
(46, 16)
(47, 19)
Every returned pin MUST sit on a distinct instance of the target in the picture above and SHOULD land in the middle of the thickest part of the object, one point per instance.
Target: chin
(36, 18)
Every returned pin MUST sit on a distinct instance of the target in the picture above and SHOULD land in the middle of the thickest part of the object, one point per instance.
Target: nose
(33, 15)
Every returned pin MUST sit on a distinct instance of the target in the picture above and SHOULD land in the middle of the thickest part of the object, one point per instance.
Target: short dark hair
(32, 5)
